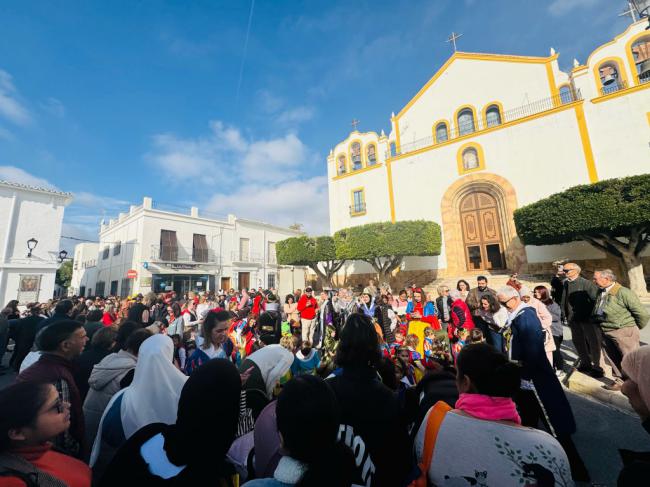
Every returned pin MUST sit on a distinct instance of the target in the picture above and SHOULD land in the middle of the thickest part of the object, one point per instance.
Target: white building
(489, 133)
(29, 218)
(149, 249)
(84, 269)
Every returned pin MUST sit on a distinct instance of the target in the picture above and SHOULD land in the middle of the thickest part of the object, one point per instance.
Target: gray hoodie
(104, 382)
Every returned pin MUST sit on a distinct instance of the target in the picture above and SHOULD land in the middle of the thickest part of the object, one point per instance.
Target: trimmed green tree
(384, 245)
(318, 253)
(612, 215)
(64, 274)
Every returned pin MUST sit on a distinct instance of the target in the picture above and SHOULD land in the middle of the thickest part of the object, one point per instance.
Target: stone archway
(505, 197)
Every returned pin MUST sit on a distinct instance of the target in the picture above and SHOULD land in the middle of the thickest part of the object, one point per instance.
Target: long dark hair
(359, 344)
(466, 284)
(211, 321)
(489, 370)
(492, 301)
(308, 404)
(20, 404)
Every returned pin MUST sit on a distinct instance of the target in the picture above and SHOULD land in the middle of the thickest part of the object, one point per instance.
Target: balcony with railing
(247, 258)
(358, 209)
(166, 253)
(613, 87)
(480, 125)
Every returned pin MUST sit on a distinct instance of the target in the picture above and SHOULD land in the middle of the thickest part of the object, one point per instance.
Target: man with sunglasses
(60, 343)
(577, 304)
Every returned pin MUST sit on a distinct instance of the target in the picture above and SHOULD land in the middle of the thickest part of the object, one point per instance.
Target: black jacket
(441, 313)
(371, 422)
(578, 298)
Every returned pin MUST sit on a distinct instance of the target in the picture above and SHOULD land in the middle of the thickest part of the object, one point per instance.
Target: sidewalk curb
(584, 384)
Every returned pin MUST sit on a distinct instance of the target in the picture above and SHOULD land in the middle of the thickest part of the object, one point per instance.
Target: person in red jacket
(461, 316)
(307, 307)
(33, 414)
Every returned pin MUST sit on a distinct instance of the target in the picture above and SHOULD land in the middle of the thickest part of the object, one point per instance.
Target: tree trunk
(634, 268)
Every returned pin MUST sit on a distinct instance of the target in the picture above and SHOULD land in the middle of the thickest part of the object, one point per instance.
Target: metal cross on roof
(631, 12)
(355, 123)
(452, 38)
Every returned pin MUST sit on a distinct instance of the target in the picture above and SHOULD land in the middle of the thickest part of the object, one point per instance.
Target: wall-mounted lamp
(31, 245)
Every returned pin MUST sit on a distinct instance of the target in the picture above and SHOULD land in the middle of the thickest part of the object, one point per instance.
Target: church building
(490, 133)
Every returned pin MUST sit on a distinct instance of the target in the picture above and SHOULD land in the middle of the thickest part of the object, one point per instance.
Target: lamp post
(31, 245)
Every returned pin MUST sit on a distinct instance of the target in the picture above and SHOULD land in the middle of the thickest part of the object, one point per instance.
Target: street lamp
(31, 245)
(63, 254)
(642, 8)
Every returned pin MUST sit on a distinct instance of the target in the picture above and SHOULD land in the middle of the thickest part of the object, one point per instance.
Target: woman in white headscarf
(152, 397)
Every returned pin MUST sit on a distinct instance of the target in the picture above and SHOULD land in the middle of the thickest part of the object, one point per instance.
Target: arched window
(442, 133)
(465, 122)
(641, 55)
(340, 165)
(493, 116)
(393, 149)
(610, 79)
(566, 94)
(470, 159)
(355, 150)
(371, 155)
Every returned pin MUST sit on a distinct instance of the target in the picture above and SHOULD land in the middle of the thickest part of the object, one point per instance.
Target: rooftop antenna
(630, 12)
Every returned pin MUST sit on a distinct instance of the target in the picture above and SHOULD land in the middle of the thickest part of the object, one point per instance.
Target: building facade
(489, 133)
(30, 231)
(149, 249)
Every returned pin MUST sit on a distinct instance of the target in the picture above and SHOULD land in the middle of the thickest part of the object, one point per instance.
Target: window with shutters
(106, 252)
(271, 254)
(199, 248)
(168, 246)
(114, 285)
(118, 248)
(244, 249)
(125, 288)
(99, 288)
(271, 281)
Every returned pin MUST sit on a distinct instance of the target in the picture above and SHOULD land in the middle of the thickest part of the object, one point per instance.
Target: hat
(308, 289)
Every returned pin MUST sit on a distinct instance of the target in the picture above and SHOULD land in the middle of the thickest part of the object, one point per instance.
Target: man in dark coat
(62, 311)
(23, 331)
(578, 298)
(60, 343)
(541, 396)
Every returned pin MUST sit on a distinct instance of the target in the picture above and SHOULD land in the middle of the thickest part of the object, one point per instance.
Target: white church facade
(489, 133)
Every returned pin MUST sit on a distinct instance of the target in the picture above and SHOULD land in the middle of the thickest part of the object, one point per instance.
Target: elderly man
(541, 395)
(578, 298)
(620, 315)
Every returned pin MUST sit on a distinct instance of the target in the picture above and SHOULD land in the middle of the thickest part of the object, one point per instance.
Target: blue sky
(117, 100)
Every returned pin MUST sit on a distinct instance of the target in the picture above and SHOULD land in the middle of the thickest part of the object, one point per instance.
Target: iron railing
(479, 125)
(168, 253)
(617, 85)
(357, 209)
(247, 257)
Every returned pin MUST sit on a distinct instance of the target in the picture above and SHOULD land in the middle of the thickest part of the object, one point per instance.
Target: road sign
(131, 274)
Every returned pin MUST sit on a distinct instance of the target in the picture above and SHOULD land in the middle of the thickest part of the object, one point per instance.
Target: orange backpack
(434, 421)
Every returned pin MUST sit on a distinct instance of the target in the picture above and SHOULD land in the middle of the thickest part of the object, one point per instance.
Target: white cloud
(226, 154)
(561, 7)
(296, 115)
(10, 107)
(296, 201)
(92, 200)
(54, 106)
(16, 175)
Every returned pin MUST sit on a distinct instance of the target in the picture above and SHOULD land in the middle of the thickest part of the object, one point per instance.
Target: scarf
(369, 311)
(487, 407)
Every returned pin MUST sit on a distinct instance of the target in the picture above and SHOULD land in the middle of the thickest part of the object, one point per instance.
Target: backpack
(434, 421)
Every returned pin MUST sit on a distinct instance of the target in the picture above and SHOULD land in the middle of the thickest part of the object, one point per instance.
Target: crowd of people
(336, 388)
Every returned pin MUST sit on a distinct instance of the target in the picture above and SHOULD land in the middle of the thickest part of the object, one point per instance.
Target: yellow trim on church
(630, 56)
(586, 143)
(363, 199)
(499, 105)
(504, 58)
(435, 125)
(359, 171)
(398, 145)
(391, 194)
(552, 111)
(479, 154)
(623, 92)
(552, 86)
(613, 41)
(622, 72)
